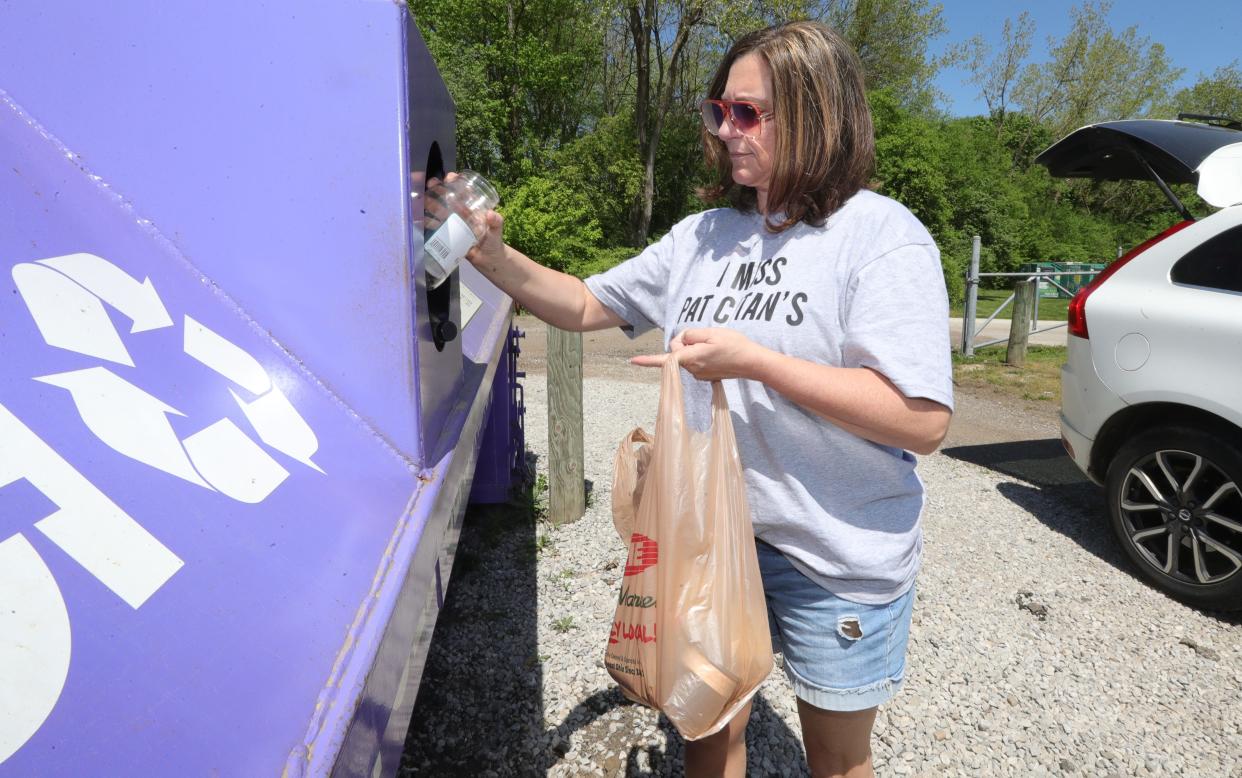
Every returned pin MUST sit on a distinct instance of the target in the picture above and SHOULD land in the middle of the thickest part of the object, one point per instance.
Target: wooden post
(566, 487)
(1020, 325)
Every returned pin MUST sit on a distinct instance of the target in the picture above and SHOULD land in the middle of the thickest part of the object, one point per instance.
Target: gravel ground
(1034, 651)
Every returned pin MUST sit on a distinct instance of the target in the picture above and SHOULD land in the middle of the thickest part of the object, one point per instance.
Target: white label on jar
(447, 245)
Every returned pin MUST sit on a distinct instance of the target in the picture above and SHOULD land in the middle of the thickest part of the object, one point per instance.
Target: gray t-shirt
(864, 290)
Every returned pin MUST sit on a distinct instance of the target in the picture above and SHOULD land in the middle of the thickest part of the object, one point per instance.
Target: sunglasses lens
(713, 115)
(744, 116)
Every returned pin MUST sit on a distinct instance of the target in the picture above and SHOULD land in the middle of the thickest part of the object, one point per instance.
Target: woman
(823, 306)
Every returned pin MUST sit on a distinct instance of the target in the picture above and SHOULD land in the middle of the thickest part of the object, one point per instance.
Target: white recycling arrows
(280, 426)
(34, 643)
(275, 419)
(138, 301)
(134, 423)
(234, 463)
(127, 419)
(64, 293)
(64, 297)
(87, 525)
(224, 357)
(67, 315)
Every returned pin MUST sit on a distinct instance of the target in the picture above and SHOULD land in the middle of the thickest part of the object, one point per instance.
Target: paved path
(999, 328)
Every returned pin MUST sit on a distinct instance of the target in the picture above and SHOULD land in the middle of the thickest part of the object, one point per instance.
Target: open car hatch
(1164, 151)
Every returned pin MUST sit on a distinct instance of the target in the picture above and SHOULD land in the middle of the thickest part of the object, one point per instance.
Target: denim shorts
(839, 655)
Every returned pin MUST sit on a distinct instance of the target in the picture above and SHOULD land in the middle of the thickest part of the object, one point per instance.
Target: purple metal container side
(414, 592)
(269, 148)
(238, 639)
(233, 467)
(501, 454)
(430, 139)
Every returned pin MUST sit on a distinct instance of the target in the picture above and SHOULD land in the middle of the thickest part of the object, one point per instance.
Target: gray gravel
(1034, 651)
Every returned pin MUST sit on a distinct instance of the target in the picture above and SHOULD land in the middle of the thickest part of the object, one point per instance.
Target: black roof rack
(1216, 121)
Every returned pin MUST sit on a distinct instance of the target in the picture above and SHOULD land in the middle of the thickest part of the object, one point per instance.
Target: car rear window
(1216, 263)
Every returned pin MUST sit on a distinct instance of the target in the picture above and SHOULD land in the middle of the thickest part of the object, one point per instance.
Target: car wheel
(1175, 497)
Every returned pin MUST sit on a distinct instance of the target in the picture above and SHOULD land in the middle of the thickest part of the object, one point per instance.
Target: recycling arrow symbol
(66, 296)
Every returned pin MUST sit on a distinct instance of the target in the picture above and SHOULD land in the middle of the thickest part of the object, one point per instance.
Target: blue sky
(1198, 36)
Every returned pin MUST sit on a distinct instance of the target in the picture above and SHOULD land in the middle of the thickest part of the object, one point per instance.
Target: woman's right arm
(557, 298)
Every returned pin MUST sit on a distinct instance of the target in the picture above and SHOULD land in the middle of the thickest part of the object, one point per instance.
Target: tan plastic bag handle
(624, 482)
(625, 466)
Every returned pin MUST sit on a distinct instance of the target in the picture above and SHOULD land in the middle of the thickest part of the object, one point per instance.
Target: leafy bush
(552, 223)
(601, 260)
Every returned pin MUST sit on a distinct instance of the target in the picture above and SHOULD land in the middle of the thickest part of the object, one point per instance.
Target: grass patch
(534, 660)
(564, 624)
(1038, 379)
(531, 497)
(1050, 309)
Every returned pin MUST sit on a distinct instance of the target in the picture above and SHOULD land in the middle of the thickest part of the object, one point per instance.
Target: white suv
(1152, 387)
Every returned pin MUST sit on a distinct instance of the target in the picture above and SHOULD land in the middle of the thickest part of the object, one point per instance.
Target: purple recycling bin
(237, 434)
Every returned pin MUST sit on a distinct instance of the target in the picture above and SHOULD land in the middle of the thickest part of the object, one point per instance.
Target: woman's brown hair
(825, 145)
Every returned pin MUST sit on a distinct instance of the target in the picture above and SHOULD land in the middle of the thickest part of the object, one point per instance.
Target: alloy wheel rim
(1183, 515)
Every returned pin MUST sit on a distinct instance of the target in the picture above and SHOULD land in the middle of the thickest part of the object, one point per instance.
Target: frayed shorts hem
(843, 700)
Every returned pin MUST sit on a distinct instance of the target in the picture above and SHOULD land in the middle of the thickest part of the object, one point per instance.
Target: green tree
(1219, 94)
(1095, 74)
(521, 72)
(675, 45)
(909, 156)
(603, 166)
(655, 76)
(997, 73)
(891, 38)
(551, 222)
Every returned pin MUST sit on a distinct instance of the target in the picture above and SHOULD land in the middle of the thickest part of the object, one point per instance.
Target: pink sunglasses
(743, 115)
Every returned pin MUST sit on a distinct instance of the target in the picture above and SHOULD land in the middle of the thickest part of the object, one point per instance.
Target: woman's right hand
(490, 250)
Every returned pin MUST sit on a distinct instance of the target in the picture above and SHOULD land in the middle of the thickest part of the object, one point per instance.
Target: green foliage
(601, 260)
(603, 166)
(953, 264)
(520, 74)
(910, 160)
(1096, 74)
(543, 543)
(1219, 94)
(550, 222)
(679, 171)
(548, 93)
(891, 38)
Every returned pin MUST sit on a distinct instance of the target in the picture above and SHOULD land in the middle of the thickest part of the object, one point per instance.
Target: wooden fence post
(1020, 325)
(566, 487)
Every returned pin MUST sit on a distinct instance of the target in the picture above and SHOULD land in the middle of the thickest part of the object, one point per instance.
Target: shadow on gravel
(1055, 492)
(480, 700)
(480, 705)
(772, 748)
(1059, 495)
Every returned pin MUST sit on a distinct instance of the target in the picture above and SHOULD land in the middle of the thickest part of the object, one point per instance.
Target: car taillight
(1078, 305)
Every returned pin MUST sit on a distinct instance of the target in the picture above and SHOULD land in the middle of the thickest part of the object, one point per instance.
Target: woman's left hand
(710, 354)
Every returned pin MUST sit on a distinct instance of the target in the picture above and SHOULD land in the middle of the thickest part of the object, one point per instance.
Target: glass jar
(455, 213)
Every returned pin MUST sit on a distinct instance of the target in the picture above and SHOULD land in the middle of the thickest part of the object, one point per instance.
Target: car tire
(1175, 500)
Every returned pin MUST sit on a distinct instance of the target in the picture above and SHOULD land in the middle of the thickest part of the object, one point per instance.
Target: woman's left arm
(857, 399)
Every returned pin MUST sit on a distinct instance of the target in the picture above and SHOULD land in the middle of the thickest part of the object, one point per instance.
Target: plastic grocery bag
(690, 635)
